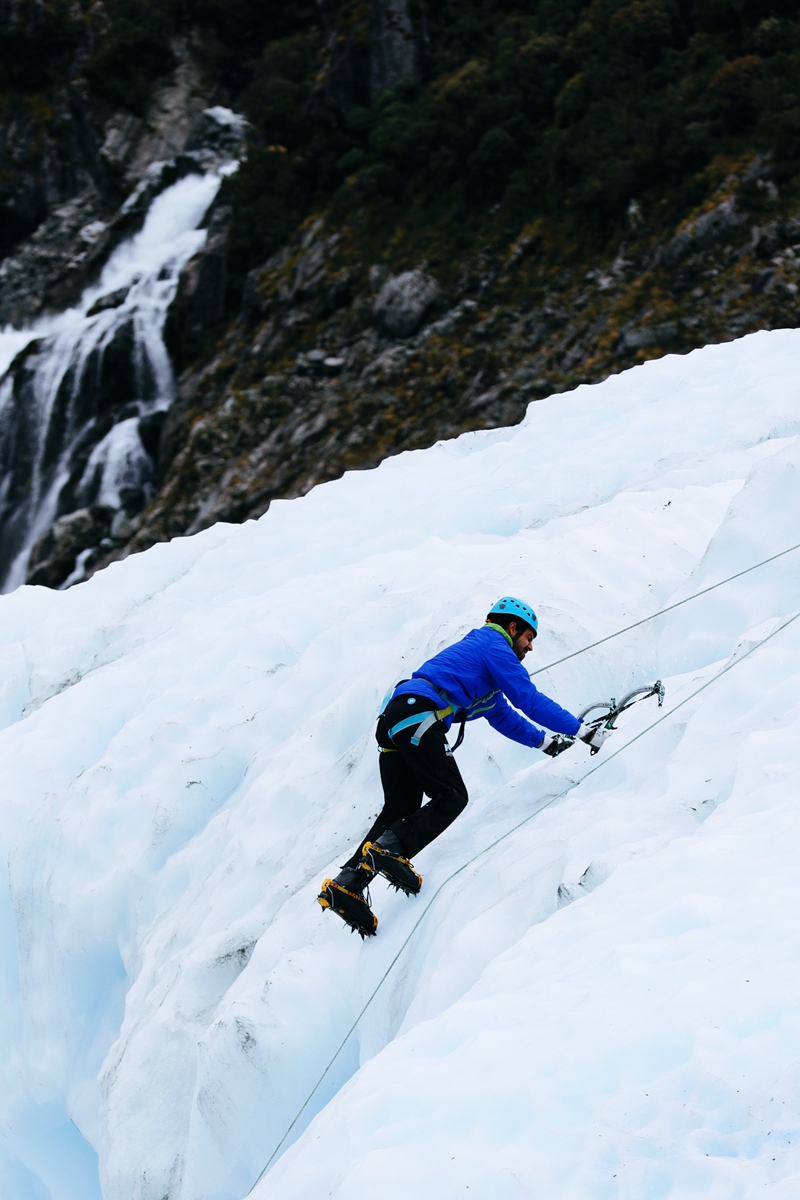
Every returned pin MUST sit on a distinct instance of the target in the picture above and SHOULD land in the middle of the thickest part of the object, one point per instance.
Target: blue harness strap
(425, 725)
(423, 720)
(427, 718)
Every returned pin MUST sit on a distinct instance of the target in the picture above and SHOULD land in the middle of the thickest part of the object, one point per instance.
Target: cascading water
(76, 401)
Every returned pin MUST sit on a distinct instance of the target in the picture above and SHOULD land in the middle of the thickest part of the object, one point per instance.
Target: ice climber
(476, 677)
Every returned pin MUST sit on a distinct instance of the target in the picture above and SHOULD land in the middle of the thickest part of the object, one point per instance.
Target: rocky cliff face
(353, 340)
(335, 363)
(82, 406)
(76, 179)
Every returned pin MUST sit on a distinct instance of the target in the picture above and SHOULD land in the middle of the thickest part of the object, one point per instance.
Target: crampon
(352, 908)
(397, 870)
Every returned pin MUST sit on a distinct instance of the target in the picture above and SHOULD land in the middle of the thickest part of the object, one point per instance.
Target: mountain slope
(188, 750)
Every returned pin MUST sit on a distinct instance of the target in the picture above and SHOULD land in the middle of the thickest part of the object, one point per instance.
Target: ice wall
(188, 751)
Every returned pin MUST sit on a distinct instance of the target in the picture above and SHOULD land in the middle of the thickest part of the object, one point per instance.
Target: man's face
(523, 642)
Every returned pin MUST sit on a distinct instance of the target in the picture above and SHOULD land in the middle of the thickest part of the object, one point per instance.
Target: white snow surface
(605, 1004)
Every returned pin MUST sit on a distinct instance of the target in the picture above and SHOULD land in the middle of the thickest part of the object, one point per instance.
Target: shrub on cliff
(557, 109)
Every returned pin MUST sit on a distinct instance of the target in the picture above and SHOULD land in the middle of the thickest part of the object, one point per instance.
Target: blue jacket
(476, 675)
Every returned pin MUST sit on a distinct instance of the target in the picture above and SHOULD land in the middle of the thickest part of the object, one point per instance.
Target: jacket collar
(499, 628)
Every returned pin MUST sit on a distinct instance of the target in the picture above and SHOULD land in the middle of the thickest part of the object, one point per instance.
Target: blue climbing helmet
(510, 606)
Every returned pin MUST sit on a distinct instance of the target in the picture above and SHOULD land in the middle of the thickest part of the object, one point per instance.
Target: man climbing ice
(477, 677)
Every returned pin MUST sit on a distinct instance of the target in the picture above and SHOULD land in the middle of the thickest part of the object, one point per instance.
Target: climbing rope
(661, 611)
(552, 800)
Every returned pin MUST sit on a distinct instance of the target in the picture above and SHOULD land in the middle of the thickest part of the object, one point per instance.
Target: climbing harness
(429, 717)
(426, 717)
(423, 720)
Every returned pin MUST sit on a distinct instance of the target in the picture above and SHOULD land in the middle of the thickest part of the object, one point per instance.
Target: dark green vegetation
(555, 110)
(517, 110)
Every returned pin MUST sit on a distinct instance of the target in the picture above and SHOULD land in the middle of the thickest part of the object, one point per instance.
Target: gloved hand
(555, 743)
(594, 734)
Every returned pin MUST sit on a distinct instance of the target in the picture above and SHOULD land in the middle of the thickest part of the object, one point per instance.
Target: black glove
(555, 743)
(594, 734)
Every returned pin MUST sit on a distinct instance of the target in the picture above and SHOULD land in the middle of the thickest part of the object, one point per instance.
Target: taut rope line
(661, 611)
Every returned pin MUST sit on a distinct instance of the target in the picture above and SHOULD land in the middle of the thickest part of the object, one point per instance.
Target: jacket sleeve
(513, 680)
(502, 717)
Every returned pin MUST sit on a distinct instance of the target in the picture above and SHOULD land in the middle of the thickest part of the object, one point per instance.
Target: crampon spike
(396, 870)
(352, 908)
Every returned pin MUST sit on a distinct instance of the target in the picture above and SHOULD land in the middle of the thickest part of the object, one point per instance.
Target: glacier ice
(605, 1004)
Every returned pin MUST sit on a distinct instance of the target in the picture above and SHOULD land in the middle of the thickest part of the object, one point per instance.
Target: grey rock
(121, 133)
(403, 301)
(387, 366)
(370, 50)
(377, 274)
(664, 335)
(62, 215)
(760, 168)
(49, 154)
(312, 363)
(762, 280)
(112, 300)
(49, 269)
(151, 426)
(316, 363)
(173, 116)
(394, 55)
(219, 130)
(485, 399)
(199, 303)
(53, 558)
(708, 230)
(339, 293)
(767, 239)
(449, 322)
(123, 527)
(310, 268)
(529, 375)
(310, 232)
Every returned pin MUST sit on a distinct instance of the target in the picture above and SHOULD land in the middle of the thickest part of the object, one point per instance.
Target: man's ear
(513, 631)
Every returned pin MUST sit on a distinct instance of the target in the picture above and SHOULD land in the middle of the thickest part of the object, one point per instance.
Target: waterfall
(76, 400)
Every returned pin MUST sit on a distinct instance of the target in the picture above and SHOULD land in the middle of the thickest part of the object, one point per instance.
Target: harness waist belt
(423, 720)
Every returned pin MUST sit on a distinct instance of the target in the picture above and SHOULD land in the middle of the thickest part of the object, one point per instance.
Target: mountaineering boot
(386, 857)
(342, 895)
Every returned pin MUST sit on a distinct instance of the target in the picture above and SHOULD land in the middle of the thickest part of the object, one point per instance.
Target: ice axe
(603, 725)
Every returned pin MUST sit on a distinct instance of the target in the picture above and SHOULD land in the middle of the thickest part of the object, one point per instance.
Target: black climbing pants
(408, 772)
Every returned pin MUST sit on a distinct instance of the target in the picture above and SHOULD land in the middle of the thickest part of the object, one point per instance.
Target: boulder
(718, 225)
(112, 300)
(53, 557)
(403, 301)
